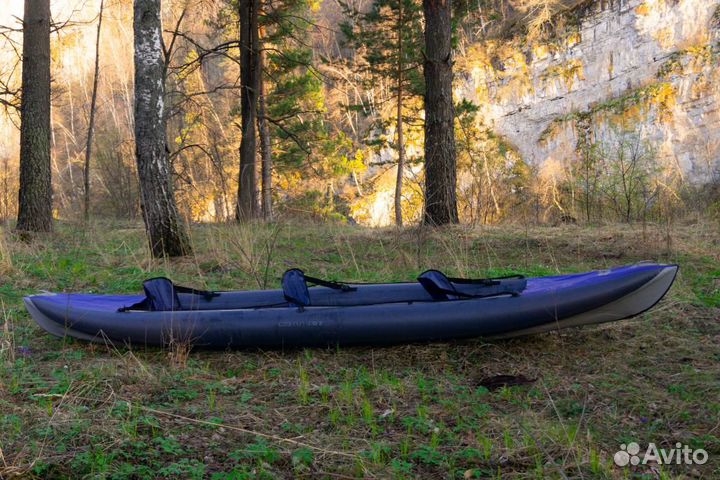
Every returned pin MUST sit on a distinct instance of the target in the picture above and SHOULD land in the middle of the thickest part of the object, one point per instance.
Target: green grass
(70, 409)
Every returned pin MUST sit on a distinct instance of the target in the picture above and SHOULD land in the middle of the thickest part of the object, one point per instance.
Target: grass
(76, 410)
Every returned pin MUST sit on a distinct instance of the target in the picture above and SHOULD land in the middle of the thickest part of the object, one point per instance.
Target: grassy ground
(567, 402)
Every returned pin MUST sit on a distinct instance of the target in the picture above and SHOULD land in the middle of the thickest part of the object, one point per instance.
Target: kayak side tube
(549, 303)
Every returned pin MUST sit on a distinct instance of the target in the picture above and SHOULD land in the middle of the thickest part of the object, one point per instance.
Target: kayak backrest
(438, 285)
(295, 288)
(161, 295)
(441, 287)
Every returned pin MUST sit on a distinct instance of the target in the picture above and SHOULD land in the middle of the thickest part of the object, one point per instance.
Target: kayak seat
(295, 287)
(441, 287)
(438, 285)
(162, 295)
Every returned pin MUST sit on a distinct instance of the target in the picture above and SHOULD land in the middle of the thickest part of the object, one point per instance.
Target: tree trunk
(440, 157)
(247, 202)
(91, 121)
(165, 230)
(401, 147)
(265, 146)
(35, 195)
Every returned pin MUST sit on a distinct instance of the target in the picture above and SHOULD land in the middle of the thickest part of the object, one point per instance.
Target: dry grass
(72, 409)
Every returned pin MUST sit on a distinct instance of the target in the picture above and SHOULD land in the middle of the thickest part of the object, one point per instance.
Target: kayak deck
(375, 314)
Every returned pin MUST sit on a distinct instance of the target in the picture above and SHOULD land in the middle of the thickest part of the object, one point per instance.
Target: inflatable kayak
(331, 313)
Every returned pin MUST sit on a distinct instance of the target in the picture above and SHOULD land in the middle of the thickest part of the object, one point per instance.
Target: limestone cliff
(649, 63)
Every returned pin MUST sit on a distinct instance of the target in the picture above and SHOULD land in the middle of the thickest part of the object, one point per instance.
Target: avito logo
(682, 454)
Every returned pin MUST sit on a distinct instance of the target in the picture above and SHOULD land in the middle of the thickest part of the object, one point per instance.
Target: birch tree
(165, 230)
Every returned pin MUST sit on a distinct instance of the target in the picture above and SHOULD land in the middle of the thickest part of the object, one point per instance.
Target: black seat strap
(207, 294)
(484, 281)
(330, 284)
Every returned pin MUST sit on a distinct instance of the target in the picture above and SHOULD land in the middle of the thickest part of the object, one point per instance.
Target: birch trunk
(165, 230)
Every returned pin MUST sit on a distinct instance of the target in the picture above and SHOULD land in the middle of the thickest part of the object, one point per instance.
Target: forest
(547, 157)
(322, 116)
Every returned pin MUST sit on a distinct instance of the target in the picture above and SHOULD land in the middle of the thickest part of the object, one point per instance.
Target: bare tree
(35, 196)
(440, 154)
(590, 167)
(91, 120)
(629, 174)
(9, 90)
(166, 232)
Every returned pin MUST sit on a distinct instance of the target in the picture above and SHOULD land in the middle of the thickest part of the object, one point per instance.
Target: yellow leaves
(540, 51)
(315, 5)
(288, 181)
(516, 76)
(664, 96)
(568, 72)
(630, 116)
(357, 164)
(191, 57)
(476, 56)
(643, 9)
(702, 55)
(515, 61)
(634, 107)
(351, 165)
(573, 39)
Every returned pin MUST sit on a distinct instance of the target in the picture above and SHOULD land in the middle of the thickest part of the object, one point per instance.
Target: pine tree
(388, 44)
(440, 154)
(281, 86)
(249, 78)
(35, 196)
(294, 90)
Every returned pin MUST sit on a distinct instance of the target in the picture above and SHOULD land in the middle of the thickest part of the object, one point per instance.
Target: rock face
(649, 65)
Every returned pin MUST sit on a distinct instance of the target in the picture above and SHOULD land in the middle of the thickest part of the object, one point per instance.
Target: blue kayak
(330, 313)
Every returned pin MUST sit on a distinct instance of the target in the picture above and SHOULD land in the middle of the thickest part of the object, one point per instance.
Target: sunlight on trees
(342, 104)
